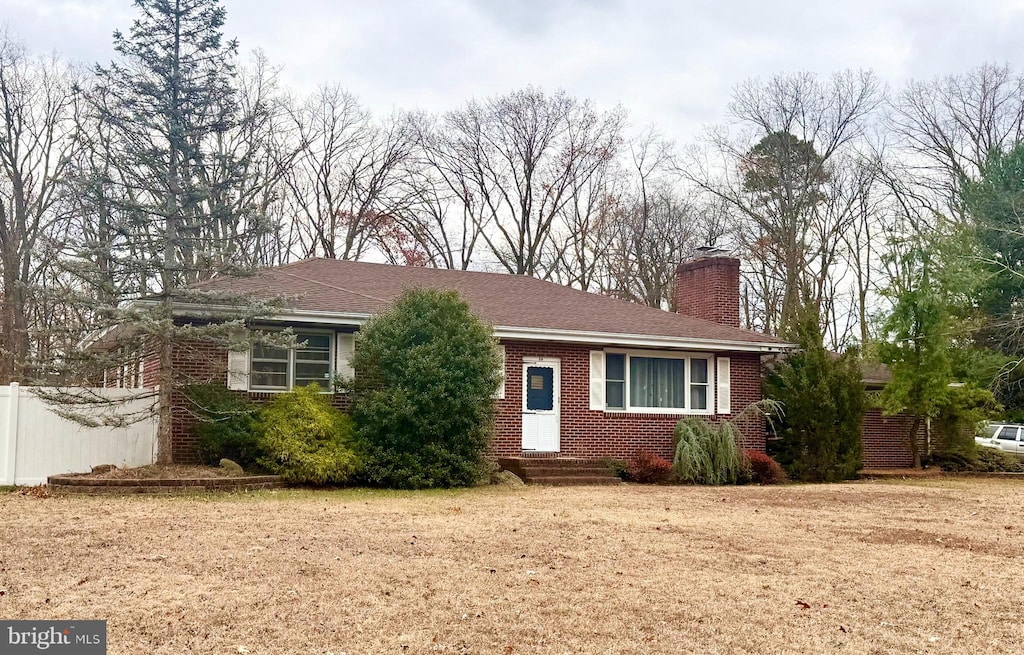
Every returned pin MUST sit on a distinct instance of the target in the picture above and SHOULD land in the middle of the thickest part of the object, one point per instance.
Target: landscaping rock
(506, 478)
(232, 468)
(104, 468)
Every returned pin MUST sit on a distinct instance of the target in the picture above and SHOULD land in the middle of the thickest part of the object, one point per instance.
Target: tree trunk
(165, 397)
(915, 450)
(13, 327)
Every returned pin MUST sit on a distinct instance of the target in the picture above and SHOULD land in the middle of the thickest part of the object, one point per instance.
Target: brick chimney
(708, 287)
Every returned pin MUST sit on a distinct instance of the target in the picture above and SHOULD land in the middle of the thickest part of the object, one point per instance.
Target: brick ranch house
(586, 375)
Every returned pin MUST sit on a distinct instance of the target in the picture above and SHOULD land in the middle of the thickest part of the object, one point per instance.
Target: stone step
(539, 471)
(547, 462)
(567, 480)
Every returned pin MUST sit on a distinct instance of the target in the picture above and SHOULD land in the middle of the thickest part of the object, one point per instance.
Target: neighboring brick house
(886, 439)
(586, 375)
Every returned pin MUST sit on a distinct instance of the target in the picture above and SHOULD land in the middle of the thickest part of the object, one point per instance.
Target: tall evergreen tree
(168, 196)
(994, 204)
(823, 402)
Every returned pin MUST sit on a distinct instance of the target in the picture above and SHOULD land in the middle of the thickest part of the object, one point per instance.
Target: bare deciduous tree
(515, 162)
(36, 120)
(775, 176)
(951, 124)
(349, 165)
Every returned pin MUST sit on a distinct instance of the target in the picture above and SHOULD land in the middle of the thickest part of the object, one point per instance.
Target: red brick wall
(588, 433)
(151, 369)
(204, 363)
(709, 288)
(886, 440)
(584, 433)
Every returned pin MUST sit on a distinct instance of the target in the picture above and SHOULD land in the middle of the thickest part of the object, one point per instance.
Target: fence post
(10, 432)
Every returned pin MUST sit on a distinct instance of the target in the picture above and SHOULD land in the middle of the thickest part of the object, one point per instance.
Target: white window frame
(667, 354)
(332, 343)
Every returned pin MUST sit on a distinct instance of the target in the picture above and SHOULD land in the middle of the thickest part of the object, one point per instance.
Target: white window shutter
(238, 370)
(345, 347)
(500, 393)
(597, 379)
(724, 379)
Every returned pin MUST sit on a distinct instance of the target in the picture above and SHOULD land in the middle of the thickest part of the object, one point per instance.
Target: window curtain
(657, 382)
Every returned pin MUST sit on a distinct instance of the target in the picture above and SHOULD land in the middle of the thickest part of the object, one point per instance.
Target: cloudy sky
(672, 63)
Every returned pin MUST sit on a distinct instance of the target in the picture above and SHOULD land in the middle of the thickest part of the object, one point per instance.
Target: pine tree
(164, 201)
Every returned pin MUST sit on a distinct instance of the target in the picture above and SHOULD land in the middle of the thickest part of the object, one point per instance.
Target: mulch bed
(158, 478)
(156, 472)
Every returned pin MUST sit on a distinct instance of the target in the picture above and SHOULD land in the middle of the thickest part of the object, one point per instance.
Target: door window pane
(540, 388)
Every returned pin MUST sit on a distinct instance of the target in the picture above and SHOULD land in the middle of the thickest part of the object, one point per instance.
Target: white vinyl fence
(36, 442)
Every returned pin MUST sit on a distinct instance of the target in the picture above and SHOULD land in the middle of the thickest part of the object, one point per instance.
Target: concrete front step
(561, 462)
(559, 470)
(541, 471)
(567, 480)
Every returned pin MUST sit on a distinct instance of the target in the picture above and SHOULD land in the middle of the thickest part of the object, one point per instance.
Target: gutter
(356, 319)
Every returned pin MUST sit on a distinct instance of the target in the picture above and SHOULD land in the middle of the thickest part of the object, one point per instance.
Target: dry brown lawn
(914, 567)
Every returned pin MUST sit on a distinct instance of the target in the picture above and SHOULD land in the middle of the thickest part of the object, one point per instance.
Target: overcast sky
(672, 63)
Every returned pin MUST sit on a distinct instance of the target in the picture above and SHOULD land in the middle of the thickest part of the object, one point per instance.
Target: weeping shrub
(706, 453)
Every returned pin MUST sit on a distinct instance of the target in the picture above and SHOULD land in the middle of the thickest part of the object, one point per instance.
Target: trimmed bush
(991, 460)
(647, 468)
(707, 453)
(953, 462)
(227, 425)
(961, 411)
(617, 466)
(426, 375)
(763, 469)
(305, 440)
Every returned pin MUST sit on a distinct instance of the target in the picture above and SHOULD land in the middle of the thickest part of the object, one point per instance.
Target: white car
(1004, 436)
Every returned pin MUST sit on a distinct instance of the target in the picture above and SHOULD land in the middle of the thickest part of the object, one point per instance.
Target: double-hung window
(657, 382)
(280, 369)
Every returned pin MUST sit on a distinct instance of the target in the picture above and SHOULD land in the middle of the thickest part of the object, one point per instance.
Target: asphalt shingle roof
(511, 301)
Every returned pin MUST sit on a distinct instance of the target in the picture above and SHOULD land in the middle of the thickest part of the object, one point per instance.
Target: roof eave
(639, 340)
(567, 336)
(511, 332)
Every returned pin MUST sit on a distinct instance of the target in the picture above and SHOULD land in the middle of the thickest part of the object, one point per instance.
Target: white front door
(541, 430)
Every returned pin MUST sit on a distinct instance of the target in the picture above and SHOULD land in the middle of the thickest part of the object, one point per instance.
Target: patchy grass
(923, 566)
